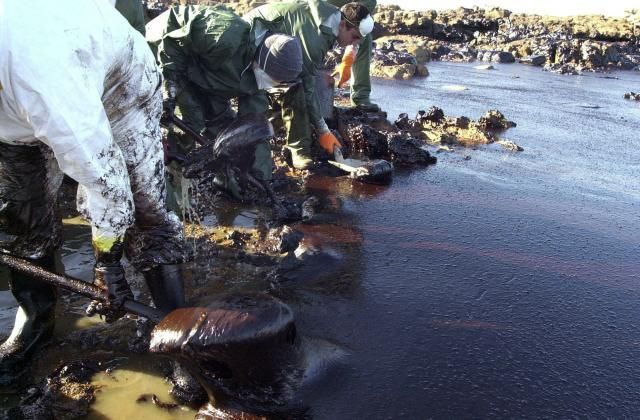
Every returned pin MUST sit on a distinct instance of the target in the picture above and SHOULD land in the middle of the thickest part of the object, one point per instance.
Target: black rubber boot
(166, 286)
(34, 321)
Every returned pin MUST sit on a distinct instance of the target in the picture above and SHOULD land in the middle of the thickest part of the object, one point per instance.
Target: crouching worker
(81, 97)
(209, 55)
(319, 26)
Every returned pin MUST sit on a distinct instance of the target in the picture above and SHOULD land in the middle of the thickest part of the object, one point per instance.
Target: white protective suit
(75, 76)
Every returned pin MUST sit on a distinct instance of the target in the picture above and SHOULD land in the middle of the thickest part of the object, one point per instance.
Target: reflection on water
(505, 285)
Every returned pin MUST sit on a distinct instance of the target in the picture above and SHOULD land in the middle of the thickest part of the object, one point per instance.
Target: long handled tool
(200, 139)
(77, 286)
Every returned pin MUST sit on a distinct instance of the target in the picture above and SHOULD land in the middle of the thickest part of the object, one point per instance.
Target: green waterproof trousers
(296, 120)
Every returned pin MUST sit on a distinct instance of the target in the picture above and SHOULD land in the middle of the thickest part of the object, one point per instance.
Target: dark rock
(562, 69)
(503, 57)
(592, 55)
(309, 208)
(403, 122)
(369, 141)
(463, 55)
(284, 239)
(389, 58)
(406, 150)
(494, 120)
(434, 114)
(534, 60)
(632, 96)
(462, 122)
(440, 51)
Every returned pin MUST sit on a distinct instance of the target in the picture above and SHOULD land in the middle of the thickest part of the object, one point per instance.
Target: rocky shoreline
(565, 45)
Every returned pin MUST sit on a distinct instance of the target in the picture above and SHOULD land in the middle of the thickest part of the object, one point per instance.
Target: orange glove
(344, 68)
(329, 142)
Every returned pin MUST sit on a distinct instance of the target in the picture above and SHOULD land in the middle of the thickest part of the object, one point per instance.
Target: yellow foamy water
(118, 392)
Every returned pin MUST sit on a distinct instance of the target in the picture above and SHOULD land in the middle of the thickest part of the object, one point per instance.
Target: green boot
(366, 106)
(300, 159)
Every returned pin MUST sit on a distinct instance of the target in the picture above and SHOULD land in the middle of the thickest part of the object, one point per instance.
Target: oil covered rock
(65, 394)
(438, 129)
(241, 347)
(632, 96)
(368, 134)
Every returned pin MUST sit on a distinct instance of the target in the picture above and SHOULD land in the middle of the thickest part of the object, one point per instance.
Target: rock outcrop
(567, 45)
(437, 129)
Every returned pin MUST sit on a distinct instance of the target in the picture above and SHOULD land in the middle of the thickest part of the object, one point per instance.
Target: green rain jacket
(302, 19)
(132, 11)
(211, 47)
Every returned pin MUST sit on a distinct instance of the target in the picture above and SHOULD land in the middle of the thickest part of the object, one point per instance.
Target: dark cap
(280, 56)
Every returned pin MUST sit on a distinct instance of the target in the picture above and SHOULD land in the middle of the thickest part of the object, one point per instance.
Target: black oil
(496, 284)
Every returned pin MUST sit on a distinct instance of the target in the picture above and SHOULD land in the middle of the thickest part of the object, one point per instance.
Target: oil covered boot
(166, 286)
(34, 321)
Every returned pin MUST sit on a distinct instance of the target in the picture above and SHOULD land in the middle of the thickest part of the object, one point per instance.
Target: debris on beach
(632, 96)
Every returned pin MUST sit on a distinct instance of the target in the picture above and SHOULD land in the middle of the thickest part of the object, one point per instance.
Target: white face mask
(263, 80)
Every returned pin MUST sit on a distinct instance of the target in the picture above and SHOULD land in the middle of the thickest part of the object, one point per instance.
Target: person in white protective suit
(80, 95)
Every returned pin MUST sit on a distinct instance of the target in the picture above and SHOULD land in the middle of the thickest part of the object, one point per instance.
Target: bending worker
(209, 55)
(360, 56)
(318, 25)
(81, 97)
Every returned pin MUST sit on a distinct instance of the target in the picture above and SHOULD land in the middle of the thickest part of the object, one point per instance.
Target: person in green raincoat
(318, 25)
(209, 55)
(361, 85)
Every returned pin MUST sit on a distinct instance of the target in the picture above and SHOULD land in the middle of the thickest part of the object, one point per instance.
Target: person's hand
(329, 142)
(110, 278)
(343, 70)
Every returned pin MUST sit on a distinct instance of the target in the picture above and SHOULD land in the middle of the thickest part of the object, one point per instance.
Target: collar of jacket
(321, 11)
